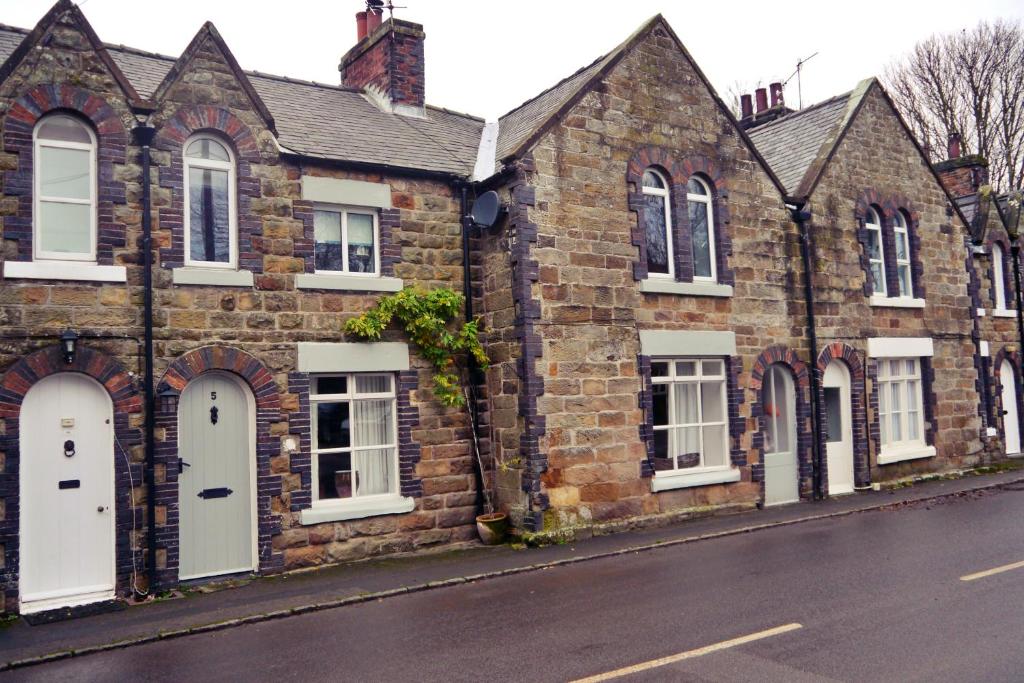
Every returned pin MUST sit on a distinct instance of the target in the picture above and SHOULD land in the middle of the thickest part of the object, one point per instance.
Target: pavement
(542, 591)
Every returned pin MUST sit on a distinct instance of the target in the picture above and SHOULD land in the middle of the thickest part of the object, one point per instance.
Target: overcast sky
(486, 57)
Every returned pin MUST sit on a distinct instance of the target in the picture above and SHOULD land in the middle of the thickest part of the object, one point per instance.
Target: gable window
(346, 240)
(876, 253)
(211, 236)
(657, 224)
(690, 414)
(64, 216)
(702, 231)
(998, 277)
(355, 439)
(901, 239)
(900, 417)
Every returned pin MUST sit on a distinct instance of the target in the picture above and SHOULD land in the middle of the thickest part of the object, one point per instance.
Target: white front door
(215, 444)
(1011, 422)
(66, 497)
(839, 426)
(781, 472)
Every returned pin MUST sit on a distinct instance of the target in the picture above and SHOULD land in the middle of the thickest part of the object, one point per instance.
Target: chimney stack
(746, 107)
(954, 146)
(962, 174)
(761, 98)
(387, 64)
(776, 90)
(360, 25)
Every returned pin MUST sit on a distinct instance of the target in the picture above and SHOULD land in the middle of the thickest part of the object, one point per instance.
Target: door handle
(101, 508)
(182, 465)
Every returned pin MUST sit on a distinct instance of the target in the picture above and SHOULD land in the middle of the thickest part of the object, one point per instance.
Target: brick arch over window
(780, 355)
(126, 401)
(111, 139)
(1000, 238)
(678, 171)
(997, 370)
(171, 137)
(268, 410)
(838, 351)
(887, 206)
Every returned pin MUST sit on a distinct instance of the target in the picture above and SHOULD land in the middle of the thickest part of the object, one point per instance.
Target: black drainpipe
(473, 371)
(143, 135)
(802, 218)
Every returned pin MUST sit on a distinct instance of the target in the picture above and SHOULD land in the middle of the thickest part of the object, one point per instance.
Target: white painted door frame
(839, 453)
(1011, 420)
(250, 401)
(32, 441)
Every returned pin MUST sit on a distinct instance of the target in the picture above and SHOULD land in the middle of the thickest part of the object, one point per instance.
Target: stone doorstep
(892, 497)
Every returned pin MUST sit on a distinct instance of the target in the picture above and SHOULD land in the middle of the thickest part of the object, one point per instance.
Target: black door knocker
(69, 448)
(213, 415)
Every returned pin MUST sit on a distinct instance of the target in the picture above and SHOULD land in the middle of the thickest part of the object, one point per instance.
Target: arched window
(657, 224)
(777, 398)
(702, 229)
(210, 236)
(998, 278)
(876, 253)
(64, 213)
(901, 238)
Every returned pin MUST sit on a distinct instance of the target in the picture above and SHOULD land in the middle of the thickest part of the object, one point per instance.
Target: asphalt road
(876, 596)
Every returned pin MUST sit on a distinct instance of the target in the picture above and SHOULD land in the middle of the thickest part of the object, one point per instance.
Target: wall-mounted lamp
(167, 399)
(68, 340)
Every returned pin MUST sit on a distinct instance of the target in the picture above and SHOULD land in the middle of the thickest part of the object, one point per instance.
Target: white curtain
(372, 425)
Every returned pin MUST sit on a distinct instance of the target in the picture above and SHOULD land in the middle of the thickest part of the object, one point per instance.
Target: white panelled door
(66, 494)
(839, 435)
(216, 425)
(1011, 420)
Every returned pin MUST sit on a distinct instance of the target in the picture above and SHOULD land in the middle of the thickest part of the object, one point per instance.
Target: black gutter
(441, 176)
(801, 218)
(143, 136)
(473, 370)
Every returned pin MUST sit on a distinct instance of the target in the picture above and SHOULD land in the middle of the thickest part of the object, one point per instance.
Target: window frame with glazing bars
(343, 212)
(699, 377)
(192, 162)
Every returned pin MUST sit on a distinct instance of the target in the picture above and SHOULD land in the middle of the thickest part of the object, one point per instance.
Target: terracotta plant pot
(492, 527)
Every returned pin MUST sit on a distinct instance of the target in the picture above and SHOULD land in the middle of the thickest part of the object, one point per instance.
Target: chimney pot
(360, 25)
(746, 106)
(954, 145)
(776, 90)
(373, 20)
(761, 98)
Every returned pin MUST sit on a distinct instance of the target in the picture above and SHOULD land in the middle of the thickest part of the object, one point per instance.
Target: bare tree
(971, 83)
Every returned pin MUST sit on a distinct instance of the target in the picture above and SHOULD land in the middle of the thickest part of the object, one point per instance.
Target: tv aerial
(799, 89)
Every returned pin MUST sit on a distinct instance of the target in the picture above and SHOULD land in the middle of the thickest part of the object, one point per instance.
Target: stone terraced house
(685, 312)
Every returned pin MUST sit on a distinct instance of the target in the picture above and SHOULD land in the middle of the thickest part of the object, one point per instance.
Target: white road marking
(690, 654)
(991, 572)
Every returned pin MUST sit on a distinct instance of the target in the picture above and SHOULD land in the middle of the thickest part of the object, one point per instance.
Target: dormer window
(64, 216)
(901, 238)
(657, 224)
(211, 236)
(876, 253)
(998, 277)
(702, 232)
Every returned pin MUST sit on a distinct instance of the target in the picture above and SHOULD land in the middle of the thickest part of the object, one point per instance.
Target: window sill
(659, 286)
(348, 282)
(901, 454)
(213, 277)
(1004, 313)
(64, 270)
(356, 509)
(664, 481)
(895, 301)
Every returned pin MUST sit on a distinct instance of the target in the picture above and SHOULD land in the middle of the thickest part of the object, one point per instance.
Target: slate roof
(326, 121)
(792, 143)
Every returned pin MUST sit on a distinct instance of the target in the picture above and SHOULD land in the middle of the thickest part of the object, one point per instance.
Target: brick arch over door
(171, 137)
(268, 410)
(780, 355)
(888, 205)
(679, 171)
(126, 401)
(838, 351)
(997, 370)
(111, 142)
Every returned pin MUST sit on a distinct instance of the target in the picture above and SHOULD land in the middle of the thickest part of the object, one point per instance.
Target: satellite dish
(486, 209)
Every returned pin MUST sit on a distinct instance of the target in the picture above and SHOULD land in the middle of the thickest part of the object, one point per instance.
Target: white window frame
(888, 446)
(344, 211)
(666, 195)
(706, 200)
(37, 252)
(697, 378)
(873, 223)
(999, 276)
(355, 501)
(901, 231)
(189, 163)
